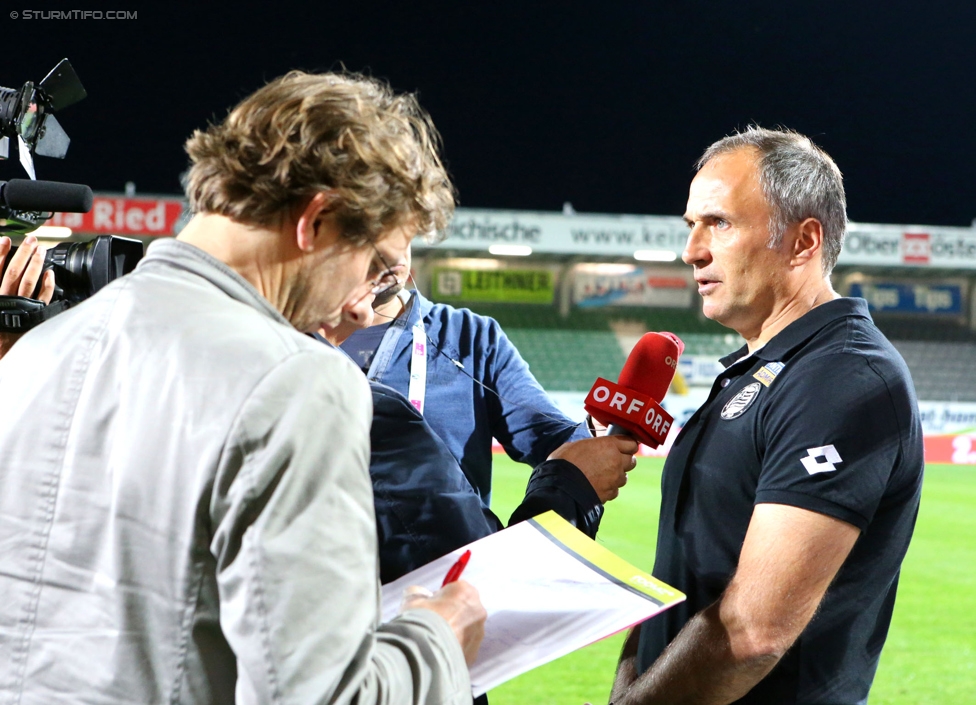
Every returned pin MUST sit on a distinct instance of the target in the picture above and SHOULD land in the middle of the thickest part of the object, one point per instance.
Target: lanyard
(417, 390)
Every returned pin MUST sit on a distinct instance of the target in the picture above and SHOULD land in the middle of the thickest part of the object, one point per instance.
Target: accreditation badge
(768, 372)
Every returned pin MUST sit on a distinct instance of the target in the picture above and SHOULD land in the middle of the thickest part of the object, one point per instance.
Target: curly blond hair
(305, 133)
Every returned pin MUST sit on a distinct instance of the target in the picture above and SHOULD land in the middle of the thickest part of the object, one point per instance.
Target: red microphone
(632, 406)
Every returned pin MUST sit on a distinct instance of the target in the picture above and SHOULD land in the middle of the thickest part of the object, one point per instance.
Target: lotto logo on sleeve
(830, 459)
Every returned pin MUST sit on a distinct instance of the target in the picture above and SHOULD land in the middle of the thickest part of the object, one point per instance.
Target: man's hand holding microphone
(631, 411)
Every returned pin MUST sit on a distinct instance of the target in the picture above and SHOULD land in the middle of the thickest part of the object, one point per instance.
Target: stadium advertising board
(940, 417)
(949, 427)
(122, 215)
(871, 244)
(668, 288)
(909, 246)
(615, 235)
(524, 286)
(699, 370)
(951, 449)
(902, 297)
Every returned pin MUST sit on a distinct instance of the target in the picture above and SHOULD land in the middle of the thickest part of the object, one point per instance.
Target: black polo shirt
(823, 417)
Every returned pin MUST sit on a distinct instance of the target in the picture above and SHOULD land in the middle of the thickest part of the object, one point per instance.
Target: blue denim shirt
(461, 411)
(426, 508)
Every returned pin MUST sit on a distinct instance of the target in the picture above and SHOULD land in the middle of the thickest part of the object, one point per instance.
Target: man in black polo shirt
(790, 497)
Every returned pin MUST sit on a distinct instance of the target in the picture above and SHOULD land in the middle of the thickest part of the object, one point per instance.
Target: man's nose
(359, 313)
(696, 248)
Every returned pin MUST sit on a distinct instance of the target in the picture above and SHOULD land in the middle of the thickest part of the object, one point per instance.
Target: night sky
(606, 105)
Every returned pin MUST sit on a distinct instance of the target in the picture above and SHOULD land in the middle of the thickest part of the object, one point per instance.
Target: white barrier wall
(868, 244)
(949, 427)
(938, 417)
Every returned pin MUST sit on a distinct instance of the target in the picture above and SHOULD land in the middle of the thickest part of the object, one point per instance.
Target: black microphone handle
(615, 430)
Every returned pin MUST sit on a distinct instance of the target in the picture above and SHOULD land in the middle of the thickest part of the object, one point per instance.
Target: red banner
(916, 248)
(119, 215)
(954, 450)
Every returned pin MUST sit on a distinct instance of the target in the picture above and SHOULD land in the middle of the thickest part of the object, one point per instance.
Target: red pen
(455, 572)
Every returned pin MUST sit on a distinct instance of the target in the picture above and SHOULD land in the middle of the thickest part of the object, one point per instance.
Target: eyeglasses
(387, 278)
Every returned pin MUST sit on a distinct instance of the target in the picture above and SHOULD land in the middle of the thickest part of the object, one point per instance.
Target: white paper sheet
(548, 590)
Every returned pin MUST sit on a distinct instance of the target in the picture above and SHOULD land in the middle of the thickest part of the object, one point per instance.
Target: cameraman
(21, 276)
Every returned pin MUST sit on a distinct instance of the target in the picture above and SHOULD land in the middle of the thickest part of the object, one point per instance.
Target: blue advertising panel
(897, 297)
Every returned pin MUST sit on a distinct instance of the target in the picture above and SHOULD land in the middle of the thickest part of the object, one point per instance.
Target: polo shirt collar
(802, 329)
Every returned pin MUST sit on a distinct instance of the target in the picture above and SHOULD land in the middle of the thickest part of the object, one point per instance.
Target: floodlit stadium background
(575, 291)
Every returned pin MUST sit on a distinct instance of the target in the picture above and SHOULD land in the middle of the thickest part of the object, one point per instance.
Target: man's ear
(808, 243)
(311, 233)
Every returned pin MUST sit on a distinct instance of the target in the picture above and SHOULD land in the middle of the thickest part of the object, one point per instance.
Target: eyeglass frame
(377, 287)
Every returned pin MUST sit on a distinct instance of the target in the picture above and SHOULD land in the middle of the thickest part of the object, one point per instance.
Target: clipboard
(548, 589)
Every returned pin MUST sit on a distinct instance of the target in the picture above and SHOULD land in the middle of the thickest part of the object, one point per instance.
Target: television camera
(80, 268)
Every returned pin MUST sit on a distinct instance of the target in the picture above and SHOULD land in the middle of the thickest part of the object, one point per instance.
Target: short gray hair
(799, 181)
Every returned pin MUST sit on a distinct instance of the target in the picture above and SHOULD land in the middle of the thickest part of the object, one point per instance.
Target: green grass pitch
(930, 655)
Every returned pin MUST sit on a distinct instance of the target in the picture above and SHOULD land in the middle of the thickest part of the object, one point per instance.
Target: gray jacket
(186, 512)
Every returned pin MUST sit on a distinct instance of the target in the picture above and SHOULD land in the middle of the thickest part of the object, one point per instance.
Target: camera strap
(18, 314)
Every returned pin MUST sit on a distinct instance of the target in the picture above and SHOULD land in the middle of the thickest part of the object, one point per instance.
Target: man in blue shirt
(425, 505)
(426, 508)
(463, 374)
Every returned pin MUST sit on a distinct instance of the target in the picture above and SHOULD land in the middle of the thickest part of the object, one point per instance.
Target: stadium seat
(569, 353)
(941, 371)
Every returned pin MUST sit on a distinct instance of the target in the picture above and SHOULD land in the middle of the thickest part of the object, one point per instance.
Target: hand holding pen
(455, 572)
(458, 603)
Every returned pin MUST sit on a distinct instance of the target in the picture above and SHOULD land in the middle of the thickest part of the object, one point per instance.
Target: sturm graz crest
(738, 404)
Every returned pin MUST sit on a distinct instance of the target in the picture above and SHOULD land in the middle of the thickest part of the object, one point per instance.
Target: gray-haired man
(789, 498)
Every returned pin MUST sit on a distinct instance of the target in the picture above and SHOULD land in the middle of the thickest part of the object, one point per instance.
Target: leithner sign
(527, 286)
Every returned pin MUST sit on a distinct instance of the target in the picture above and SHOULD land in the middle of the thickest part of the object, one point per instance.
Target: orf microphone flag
(632, 405)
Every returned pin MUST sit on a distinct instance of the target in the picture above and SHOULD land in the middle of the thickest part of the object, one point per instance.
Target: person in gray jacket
(185, 507)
